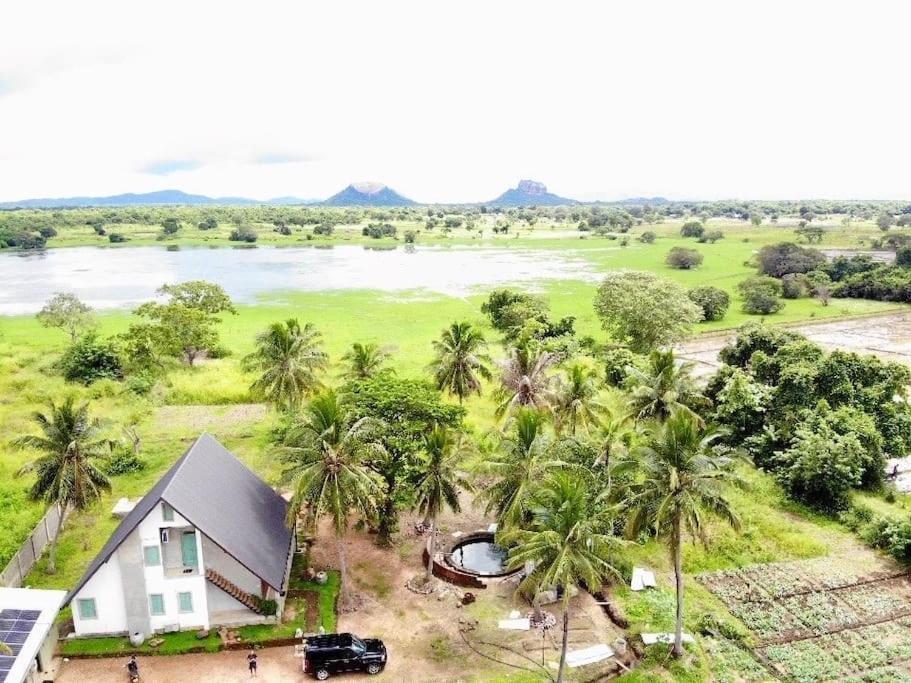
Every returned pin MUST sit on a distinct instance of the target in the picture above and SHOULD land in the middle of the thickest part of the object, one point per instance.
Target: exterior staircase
(243, 597)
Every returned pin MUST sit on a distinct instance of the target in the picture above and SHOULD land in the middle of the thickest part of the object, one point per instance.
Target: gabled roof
(221, 497)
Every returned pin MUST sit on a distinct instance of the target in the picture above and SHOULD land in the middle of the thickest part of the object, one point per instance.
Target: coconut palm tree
(662, 388)
(680, 483)
(575, 401)
(288, 358)
(439, 480)
(326, 455)
(66, 474)
(363, 361)
(460, 360)
(524, 378)
(568, 541)
(517, 466)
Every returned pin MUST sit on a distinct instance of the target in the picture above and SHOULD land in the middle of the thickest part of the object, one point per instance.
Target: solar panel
(15, 627)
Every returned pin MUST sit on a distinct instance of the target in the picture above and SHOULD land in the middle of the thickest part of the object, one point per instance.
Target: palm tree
(662, 388)
(288, 357)
(518, 465)
(66, 474)
(438, 481)
(363, 361)
(326, 455)
(524, 378)
(461, 360)
(576, 401)
(5, 649)
(680, 482)
(568, 542)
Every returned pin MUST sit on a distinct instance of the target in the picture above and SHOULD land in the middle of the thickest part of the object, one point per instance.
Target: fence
(31, 550)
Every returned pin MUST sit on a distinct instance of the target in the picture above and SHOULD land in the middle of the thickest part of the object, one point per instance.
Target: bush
(795, 286)
(209, 223)
(47, 232)
(903, 257)
(647, 237)
(410, 237)
(244, 233)
(116, 238)
(22, 239)
(325, 229)
(683, 258)
(378, 230)
(711, 236)
(714, 302)
(780, 259)
(692, 229)
(761, 295)
(124, 461)
(91, 359)
(885, 283)
(169, 226)
(141, 383)
(268, 608)
(616, 364)
(282, 229)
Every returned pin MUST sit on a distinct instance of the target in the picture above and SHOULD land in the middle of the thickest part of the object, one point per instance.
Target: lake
(113, 278)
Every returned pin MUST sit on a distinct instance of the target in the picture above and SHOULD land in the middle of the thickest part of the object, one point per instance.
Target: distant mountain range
(160, 198)
(526, 193)
(368, 194)
(530, 193)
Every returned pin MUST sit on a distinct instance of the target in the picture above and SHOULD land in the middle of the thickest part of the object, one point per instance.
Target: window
(87, 608)
(167, 512)
(156, 604)
(151, 555)
(184, 602)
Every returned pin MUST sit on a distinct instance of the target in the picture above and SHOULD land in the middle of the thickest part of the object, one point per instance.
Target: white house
(203, 548)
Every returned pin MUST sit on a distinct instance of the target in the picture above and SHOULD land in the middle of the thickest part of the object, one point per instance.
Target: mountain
(162, 197)
(368, 194)
(528, 193)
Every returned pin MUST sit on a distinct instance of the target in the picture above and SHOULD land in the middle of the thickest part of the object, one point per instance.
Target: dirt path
(885, 336)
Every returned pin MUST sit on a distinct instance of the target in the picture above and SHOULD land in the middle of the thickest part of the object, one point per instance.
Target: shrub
(243, 233)
(124, 461)
(647, 237)
(711, 236)
(47, 232)
(282, 229)
(378, 230)
(141, 383)
(683, 258)
(617, 361)
(692, 229)
(209, 223)
(116, 237)
(324, 229)
(786, 257)
(903, 257)
(410, 237)
(795, 286)
(761, 295)
(169, 226)
(90, 359)
(714, 302)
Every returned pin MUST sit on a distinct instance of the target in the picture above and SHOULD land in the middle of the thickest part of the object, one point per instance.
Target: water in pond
(111, 278)
(481, 556)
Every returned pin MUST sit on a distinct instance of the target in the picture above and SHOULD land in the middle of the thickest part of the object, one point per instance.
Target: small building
(206, 547)
(27, 628)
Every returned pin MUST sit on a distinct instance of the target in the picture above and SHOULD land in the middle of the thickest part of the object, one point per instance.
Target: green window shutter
(188, 554)
(167, 512)
(151, 555)
(87, 609)
(156, 604)
(185, 602)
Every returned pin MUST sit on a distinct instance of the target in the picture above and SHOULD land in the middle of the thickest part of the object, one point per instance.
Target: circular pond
(480, 555)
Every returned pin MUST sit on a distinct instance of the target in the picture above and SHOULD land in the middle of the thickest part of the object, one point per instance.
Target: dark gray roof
(226, 501)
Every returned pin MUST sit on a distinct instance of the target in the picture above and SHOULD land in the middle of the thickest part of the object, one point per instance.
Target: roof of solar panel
(23, 629)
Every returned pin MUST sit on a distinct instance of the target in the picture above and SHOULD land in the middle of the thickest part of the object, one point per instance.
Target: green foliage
(170, 226)
(692, 229)
(684, 258)
(647, 237)
(243, 233)
(884, 283)
(795, 285)
(123, 461)
(379, 230)
(363, 361)
(524, 316)
(662, 388)
(616, 363)
(66, 312)
(90, 359)
(207, 297)
(761, 295)
(780, 259)
(644, 310)
(714, 302)
(460, 360)
(116, 238)
(903, 256)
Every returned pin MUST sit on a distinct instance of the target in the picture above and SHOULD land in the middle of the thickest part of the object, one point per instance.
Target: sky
(456, 101)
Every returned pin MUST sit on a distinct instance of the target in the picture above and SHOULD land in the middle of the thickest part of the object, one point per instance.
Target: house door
(188, 549)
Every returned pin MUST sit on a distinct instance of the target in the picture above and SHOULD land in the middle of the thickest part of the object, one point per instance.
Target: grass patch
(179, 643)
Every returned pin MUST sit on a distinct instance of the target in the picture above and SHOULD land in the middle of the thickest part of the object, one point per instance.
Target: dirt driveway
(885, 336)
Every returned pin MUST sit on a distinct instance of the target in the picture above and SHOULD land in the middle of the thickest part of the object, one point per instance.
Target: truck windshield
(358, 645)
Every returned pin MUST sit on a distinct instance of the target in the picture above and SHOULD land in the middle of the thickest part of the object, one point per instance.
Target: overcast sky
(456, 101)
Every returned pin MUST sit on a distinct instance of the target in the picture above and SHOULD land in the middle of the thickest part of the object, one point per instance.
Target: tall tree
(326, 455)
(460, 360)
(523, 458)
(363, 361)
(680, 483)
(66, 475)
(438, 481)
(568, 541)
(576, 402)
(66, 312)
(525, 378)
(288, 358)
(662, 388)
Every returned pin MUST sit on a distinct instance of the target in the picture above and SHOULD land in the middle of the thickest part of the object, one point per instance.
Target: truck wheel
(322, 674)
(374, 669)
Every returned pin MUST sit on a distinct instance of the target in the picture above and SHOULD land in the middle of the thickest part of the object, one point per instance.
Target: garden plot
(825, 619)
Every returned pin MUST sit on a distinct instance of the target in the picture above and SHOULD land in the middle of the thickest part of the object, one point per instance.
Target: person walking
(251, 662)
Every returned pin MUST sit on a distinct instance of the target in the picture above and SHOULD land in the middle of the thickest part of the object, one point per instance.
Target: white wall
(106, 589)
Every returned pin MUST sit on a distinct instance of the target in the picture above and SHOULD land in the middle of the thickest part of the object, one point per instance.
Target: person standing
(251, 662)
